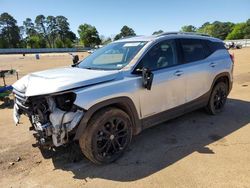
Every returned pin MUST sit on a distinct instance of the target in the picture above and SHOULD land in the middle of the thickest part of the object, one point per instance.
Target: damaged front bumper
(53, 117)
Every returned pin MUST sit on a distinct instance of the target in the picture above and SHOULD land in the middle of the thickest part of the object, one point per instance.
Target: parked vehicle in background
(127, 86)
(94, 49)
(91, 51)
(233, 45)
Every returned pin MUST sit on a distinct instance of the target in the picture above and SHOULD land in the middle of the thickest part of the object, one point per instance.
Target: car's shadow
(160, 146)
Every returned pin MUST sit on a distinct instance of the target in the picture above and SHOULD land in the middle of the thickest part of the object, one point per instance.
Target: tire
(218, 98)
(107, 136)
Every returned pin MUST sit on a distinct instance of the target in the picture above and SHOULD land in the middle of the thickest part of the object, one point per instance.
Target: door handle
(212, 64)
(178, 73)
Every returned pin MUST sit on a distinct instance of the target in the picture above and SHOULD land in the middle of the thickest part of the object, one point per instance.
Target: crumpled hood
(60, 79)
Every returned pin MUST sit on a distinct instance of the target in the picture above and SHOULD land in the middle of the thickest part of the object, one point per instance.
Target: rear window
(193, 50)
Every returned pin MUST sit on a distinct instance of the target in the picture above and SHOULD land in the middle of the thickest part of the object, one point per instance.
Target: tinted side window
(214, 46)
(193, 50)
(160, 56)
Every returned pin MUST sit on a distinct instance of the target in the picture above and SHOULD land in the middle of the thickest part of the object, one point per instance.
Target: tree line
(54, 32)
(44, 32)
(222, 30)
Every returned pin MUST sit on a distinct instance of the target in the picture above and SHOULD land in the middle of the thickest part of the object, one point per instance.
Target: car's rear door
(197, 67)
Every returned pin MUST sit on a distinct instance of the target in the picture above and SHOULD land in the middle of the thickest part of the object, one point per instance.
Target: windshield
(113, 56)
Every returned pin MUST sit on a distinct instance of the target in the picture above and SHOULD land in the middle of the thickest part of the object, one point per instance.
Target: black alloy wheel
(218, 98)
(107, 136)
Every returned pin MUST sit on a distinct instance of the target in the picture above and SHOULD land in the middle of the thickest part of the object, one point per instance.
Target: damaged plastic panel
(52, 117)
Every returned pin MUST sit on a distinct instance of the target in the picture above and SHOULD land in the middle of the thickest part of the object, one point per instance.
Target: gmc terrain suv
(123, 88)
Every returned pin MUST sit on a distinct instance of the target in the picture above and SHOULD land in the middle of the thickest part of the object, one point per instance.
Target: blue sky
(108, 16)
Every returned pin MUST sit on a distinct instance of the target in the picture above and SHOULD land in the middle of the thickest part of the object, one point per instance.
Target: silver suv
(123, 88)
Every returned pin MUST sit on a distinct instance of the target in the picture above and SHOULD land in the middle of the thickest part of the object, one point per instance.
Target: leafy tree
(206, 28)
(52, 30)
(217, 29)
(188, 28)
(22, 39)
(125, 32)
(9, 31)
(41, 25)
(29, 27)
(247, 30)
(205, 24)
(222, 29)
(238, 32)
(59, 43)
(89, 35)
(66, 36)
(34, 38)
(36, 41)
(3, 42)
(106, 41)
(118, 36)
(21, 31)
(248, 22)
(68, 43)
(157, 32)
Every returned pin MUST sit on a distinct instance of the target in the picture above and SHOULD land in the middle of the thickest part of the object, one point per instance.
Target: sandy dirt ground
(195, 150)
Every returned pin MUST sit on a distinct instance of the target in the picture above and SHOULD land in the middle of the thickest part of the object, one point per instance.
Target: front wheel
(218, 98)
(107, 136)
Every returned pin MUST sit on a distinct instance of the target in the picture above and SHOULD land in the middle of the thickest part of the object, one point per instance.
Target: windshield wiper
(89, 68)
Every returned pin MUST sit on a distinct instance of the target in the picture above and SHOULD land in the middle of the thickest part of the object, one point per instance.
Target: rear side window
(193, 50)
(214, 46)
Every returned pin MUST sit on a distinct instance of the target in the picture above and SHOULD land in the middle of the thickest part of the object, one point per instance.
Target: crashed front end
(54, 117)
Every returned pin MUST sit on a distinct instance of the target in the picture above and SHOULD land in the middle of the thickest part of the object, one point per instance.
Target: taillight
(232, 57)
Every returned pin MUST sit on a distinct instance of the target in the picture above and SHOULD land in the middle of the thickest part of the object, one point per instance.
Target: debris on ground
(18, 159)
(11, 164)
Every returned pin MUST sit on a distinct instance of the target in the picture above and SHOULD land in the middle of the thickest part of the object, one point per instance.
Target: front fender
(124, 103)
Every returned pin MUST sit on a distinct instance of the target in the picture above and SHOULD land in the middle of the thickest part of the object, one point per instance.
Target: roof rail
(184, 33)
(127, 37)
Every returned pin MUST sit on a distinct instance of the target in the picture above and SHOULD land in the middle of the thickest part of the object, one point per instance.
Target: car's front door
(169, 83)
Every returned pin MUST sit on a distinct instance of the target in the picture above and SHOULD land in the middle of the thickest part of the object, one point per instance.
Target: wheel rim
(112, 138)
(220, 98)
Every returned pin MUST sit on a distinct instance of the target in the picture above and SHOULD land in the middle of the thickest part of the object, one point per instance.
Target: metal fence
(40, 50)
(243, 42)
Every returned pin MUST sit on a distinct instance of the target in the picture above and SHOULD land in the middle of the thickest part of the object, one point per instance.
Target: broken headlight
(65, 101)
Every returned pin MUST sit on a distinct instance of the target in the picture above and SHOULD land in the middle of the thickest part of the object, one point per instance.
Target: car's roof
(168, 35)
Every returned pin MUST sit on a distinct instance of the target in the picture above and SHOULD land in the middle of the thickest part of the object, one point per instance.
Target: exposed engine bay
(53, 117)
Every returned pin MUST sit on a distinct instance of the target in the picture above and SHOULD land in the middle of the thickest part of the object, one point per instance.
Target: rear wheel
(107, 136)
(218, 98)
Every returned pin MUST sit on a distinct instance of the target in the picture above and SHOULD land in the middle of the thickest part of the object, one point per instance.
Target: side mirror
(75, 59)
(147, 78)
